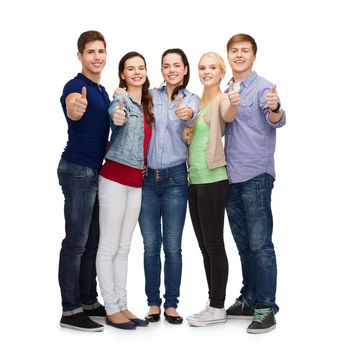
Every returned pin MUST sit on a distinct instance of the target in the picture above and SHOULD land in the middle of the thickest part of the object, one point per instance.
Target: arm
(76, 104)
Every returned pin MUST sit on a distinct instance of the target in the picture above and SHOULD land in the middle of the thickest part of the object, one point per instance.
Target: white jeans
(119, 208)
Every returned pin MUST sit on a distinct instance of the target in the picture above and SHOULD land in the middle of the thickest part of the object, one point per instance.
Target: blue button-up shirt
(167, 147)
(251, 138)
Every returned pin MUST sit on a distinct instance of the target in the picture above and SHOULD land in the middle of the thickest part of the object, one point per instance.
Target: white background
(299, 50)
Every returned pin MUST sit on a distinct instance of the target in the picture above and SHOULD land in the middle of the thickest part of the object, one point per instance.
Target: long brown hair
(186, 64)
(147, 102)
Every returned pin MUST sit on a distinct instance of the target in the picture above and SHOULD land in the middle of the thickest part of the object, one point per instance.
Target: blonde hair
(220, 61)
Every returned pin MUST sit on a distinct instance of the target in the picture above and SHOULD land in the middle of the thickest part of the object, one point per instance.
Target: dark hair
(87, 37)
(186, 64)
(147, 102)
(242, 37)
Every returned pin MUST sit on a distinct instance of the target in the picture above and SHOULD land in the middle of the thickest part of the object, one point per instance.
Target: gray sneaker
(263, 321)
(240, 310)
(210, 315)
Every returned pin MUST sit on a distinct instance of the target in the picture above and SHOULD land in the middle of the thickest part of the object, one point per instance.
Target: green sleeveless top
(198, 169)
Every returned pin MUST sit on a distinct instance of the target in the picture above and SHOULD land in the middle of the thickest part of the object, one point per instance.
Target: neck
(136, 92)
(240, 76)
(93, 77)
(209, 94)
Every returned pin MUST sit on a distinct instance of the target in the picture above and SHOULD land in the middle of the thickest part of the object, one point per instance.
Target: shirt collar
(88, 81)
(249, 79)
(182, 92)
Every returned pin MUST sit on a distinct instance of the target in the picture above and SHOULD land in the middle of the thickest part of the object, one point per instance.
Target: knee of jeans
(265, 257)
(172, 251)
(151, 248)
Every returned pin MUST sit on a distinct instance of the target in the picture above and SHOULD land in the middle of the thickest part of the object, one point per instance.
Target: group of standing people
(156, 135)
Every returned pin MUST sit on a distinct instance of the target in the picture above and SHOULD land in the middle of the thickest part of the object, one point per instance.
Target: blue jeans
(249, 212)
(77, 269)
(162, 218)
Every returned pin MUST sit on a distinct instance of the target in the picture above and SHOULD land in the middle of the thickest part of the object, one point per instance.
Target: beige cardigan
(216, 118)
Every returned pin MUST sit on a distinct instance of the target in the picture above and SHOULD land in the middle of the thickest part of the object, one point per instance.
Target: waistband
(166, 171)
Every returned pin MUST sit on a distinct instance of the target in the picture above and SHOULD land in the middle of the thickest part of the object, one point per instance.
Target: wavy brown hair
(146, 100)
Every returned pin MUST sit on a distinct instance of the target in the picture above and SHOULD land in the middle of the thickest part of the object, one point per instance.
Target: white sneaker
(195, 316)
(208, 316)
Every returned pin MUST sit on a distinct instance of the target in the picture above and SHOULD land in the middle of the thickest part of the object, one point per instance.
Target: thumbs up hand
(272, 100)
(234, 96)
(76, 104)
(181, 111)
(118, 115)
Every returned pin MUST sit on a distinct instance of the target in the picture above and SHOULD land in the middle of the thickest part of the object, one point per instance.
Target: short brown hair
(87, 37)
(242, 37)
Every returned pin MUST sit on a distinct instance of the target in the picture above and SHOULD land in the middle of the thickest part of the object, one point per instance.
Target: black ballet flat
(173, 319)
(152, 317)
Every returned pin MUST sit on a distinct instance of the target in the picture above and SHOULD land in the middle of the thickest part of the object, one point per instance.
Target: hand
(272, 99)
(118, 115)
(77, 105)
(181, 111)
(234, 96)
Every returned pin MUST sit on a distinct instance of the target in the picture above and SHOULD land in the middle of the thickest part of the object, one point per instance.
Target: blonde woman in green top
(209, 184)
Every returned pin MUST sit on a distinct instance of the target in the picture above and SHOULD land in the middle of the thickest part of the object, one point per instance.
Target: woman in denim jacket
(165, 186)
(120, 185)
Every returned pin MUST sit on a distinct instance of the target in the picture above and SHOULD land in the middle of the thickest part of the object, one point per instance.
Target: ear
(122, 76)
(223, 72)
(80, 56)
(186, 70)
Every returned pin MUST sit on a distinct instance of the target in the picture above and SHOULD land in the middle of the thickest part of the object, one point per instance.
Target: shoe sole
(261, 330)
(204, 324)
(241, 317)
(97, 329)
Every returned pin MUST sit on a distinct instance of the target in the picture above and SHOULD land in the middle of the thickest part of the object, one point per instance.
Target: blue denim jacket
(126, 141)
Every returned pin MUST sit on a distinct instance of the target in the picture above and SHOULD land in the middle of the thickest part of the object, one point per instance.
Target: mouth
(137, 79)
(239, 61)
(97, 64)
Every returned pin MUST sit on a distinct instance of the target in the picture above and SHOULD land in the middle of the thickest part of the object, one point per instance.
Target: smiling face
(210, 71)
(173, 69)
(93, 59)
(241, 58)
(134, 73)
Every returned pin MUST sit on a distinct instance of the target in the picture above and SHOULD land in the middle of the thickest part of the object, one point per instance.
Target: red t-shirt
(124, 174)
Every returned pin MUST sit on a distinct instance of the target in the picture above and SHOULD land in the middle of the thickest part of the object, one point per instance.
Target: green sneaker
(240, 310)
(263, 320)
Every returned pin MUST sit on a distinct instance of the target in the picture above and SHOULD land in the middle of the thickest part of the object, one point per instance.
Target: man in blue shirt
(84, 102)
(250, 146)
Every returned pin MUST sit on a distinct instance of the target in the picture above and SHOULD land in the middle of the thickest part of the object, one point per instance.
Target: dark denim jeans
(77, 269)
(162, 218)
(249, 212)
